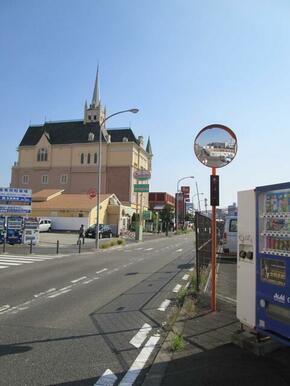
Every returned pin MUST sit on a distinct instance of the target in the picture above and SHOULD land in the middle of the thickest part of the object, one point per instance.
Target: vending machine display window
(274, 222)
(273, 271)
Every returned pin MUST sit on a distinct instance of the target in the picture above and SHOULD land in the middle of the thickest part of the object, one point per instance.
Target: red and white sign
(92, 193)
(185, 189)
(142, 174)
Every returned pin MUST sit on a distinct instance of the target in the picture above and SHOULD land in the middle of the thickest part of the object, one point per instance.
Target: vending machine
(2, 229)
(246, 259)
(31, 231)
(273, 261)
(14, 230)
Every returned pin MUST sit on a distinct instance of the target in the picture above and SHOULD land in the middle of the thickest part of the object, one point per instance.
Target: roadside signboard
(141, 188)
(147, 215)
(142, 174)
(15, 200)
(20, 209)
(185, 189)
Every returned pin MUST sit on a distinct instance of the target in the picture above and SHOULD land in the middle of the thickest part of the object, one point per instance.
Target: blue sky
(184, 63)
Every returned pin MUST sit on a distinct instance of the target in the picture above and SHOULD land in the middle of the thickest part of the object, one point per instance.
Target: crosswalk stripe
(15, 261)
(10, 263)
(30, 257)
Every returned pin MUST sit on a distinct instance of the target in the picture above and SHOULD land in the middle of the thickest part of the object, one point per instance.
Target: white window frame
(44, 179)
(25, 179)
(63, 179)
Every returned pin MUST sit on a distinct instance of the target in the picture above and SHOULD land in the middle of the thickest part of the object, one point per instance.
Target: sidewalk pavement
(210, 359)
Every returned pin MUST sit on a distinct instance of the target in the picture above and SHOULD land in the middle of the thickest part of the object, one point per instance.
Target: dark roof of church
(68, 132)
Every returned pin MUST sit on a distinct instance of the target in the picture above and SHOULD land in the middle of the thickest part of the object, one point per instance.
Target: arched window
(95, 158)
(89, 158)
(82, 158)
(42, 154)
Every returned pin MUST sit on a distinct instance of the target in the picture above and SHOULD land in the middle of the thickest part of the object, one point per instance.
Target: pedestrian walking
(81, 234)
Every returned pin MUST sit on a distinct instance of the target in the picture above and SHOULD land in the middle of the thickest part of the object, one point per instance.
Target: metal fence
(203, 243)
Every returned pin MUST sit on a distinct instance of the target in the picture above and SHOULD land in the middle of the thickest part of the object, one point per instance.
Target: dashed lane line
(141, 335)
(177, 288)
(163, 306)
(140, 361)
(107, 379)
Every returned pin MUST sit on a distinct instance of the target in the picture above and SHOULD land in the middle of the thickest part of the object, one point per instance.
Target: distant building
(64, 155)
(157, 200)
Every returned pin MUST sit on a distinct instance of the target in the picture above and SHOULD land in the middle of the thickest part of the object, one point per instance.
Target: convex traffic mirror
(215, 146)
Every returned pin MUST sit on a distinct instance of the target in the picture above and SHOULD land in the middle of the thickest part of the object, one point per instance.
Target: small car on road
(104, 231)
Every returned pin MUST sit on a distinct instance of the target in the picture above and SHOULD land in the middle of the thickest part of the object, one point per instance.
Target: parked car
(44, 225)
(104, 231)
(230, 241)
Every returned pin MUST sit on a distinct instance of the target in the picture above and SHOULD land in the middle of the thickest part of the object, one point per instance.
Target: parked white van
(44, 225)
(230, 241)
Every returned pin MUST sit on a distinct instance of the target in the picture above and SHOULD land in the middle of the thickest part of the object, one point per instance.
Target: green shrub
(177, 343)
(120, 241)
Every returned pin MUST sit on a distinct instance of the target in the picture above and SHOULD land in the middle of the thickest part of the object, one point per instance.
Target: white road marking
(88, 281)
(149, 249)
(45, 292)
(138, 249)
(179, 250)
(3, 267)
(79, 279)
(10, 262)
(4, 308)
(141, 335)
(102, 270)
(163, 306)
(191, 269)
(176, 288)
(139, 362)
(187, 284)
(59, 293)
(16, 261)
(107, 379)
(185, 277)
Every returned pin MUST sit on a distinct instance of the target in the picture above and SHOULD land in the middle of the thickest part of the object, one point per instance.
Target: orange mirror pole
(213, 253)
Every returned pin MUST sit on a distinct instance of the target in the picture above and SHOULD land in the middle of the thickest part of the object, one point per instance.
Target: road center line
(79, 279)
(163, 306)
(177, 288)
(179, 250)
(139, 362)
(149, 249)
(45, 292)
(141, 335)
(59, 293)
(107, 379)
(102, 270)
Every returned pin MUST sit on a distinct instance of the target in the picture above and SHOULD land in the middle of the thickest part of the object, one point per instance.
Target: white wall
(68, 223)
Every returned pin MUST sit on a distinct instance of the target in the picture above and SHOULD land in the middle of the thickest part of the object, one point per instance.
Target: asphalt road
(67, 320)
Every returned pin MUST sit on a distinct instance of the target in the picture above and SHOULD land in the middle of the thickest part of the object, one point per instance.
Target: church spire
(96, 94)
(148, 147)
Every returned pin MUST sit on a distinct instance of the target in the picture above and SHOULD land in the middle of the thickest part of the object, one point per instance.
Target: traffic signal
(214, 191)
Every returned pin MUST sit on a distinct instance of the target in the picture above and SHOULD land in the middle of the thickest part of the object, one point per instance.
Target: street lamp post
(134, 111)
(197, 194)
(177, 200)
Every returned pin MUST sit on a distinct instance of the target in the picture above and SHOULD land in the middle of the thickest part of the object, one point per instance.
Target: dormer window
(42, 154)
(125, 139)
(91, 137)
